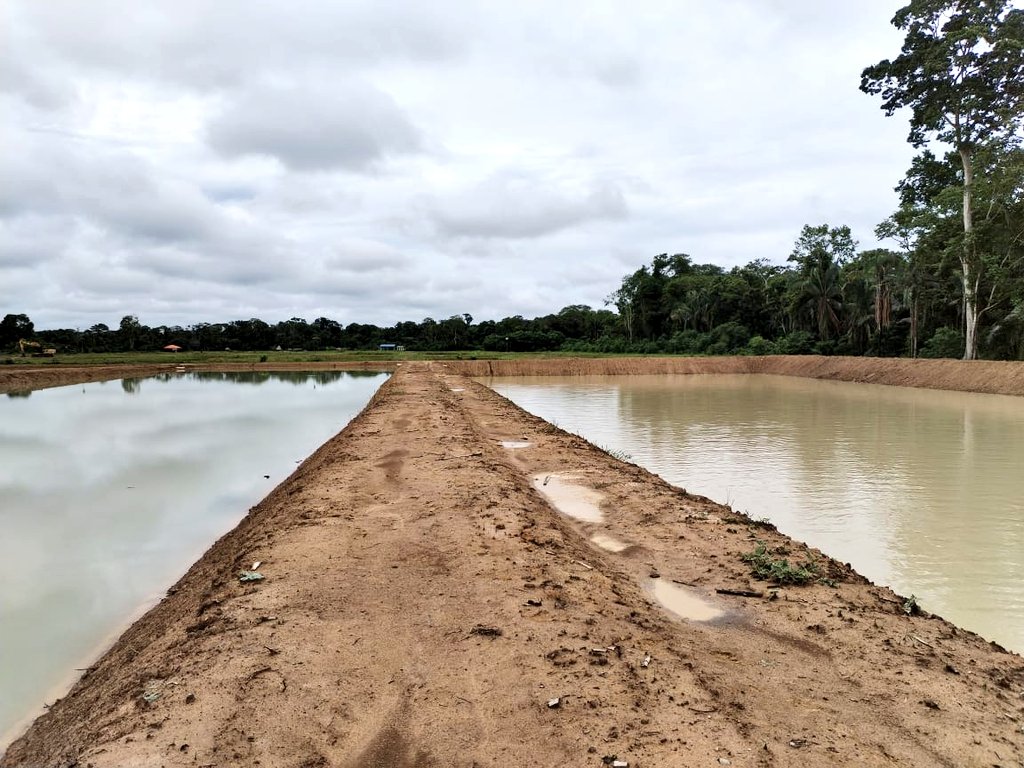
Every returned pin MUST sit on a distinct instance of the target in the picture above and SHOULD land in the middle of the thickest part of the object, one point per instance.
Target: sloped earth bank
(424, 605)
(992, 377)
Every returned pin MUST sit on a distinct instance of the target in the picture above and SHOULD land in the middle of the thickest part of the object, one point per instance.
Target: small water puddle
(684, 603)
(515, 445)
(570, 499)
(608, 543)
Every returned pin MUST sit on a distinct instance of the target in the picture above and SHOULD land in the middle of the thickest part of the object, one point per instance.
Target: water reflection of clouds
(109, 495)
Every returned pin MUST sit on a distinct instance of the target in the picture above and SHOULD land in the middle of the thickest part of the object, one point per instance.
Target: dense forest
(950, 285)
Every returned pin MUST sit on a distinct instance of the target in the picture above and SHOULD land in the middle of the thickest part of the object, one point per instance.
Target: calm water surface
(918, 489)
(109, 491)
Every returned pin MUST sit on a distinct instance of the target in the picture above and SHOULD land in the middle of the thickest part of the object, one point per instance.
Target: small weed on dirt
(617, 454)
(761, 522)
(778, 570)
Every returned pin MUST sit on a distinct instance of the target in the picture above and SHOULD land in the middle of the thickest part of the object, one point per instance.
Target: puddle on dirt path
(609, 543)
(684, 603)
(576, 501)
(456, 389)
(515, 445)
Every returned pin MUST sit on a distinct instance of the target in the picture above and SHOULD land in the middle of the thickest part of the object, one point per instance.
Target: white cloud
(191, 161)
(348, 125)
(517, 205)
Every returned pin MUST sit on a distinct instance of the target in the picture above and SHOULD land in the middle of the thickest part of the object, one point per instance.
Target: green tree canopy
(961, 75)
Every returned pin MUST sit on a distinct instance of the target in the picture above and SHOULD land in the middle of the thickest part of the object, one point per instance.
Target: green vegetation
(428, 338)
(911, 607)
(617, 454)
(778, 570)
(961, 75)
(271, 358)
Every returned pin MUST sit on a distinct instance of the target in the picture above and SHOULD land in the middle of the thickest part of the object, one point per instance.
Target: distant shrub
(758, 345)
(649, 347)
(844, 345)
(947, 342)
(825, 347)
(524, 341)
(795, 343)
(604, 345)
(892, 341)
(688, 342)
(727, 339)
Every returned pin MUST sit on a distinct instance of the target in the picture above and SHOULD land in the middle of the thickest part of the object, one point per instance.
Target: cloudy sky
(211, 160)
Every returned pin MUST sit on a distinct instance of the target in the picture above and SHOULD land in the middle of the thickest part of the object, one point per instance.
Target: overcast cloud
(189, 161)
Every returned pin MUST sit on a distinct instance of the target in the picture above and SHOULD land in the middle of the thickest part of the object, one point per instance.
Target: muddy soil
(425, 604)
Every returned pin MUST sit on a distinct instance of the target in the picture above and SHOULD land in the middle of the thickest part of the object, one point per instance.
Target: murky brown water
(570, 496)
(609, 543)
(685, 603)
(919, 489)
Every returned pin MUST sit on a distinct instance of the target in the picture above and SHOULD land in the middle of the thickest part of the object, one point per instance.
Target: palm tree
(682, 314)
(822, 294)
(859, 311)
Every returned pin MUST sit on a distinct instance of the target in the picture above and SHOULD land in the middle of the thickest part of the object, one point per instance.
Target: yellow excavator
(24, 344)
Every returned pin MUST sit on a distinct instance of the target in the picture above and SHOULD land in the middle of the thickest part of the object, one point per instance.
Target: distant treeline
(459, 332)
(828, 299)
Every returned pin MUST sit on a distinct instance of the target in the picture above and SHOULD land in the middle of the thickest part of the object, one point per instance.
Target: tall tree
(822, 294)
(14, 327)
(130, 329)
(961, 73)
(837, 242)
(819, 253)
(928, 225)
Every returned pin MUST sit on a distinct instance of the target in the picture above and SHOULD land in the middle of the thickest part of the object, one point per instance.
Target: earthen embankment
(986, 376)
(992, 377)
(425, 604)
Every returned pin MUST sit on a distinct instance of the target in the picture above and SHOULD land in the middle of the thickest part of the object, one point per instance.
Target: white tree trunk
(970, 279)
(913, 326)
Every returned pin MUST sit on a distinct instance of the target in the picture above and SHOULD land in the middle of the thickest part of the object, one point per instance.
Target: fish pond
(109, 491)
(921, 490)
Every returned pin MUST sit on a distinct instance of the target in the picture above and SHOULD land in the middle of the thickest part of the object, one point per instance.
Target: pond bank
(423, 604)
(987, 376)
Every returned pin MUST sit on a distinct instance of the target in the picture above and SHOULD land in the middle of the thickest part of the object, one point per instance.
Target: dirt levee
(1003, 378)
(425, 604)
(20, 378)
